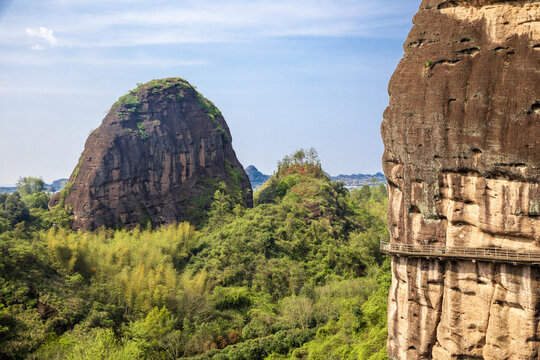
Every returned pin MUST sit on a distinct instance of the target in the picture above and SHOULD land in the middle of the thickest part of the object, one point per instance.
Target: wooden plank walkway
(490, 254)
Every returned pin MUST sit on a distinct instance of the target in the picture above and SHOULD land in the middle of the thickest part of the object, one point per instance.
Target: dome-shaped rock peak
(159, 155)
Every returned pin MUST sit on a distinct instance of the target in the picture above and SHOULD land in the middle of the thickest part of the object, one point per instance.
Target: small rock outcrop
(462, 160)
(159, 155)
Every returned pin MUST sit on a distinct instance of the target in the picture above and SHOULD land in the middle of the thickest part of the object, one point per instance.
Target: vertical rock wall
(462, 160)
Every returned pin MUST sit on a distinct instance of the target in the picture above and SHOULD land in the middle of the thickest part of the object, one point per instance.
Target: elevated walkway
(489, 254)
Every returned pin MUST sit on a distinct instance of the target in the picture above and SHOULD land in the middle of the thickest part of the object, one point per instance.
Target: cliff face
(462, 159)
(158, 156)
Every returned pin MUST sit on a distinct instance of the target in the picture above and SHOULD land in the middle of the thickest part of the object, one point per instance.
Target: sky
(286, 74)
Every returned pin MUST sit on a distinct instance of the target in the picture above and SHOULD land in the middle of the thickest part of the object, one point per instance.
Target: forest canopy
(298, 276)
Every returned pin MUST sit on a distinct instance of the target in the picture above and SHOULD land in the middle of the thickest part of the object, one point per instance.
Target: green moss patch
(130, 104)
(212, 111)
(158, 85)
(142, 132)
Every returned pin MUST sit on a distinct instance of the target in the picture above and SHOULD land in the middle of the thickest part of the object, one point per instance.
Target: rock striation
(159, 155)
(462, 161)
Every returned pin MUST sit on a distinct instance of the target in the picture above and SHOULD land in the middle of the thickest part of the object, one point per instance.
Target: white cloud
(37, 47)
(162, 22)
(44, 33)
(188, 21)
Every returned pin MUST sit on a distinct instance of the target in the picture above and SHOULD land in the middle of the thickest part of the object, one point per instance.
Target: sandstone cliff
(462, 160)
(158, 156)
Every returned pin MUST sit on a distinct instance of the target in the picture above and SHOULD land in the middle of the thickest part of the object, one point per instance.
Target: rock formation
(159, 155)
(462, 160)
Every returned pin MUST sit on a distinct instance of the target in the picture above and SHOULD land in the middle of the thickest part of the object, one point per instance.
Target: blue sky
(285, 73)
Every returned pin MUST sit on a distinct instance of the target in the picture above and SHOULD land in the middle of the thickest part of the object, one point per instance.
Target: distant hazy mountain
(351, 181)
(7, 189)
(256, 177)
(358, 180)
(56, 186)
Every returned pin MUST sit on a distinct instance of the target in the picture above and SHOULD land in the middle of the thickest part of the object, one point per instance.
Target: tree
(379, 192)
(32, 191)
(364, 193)
(16, 209)
(312, 157)
(221, 206)
(153, 330)
(297, 311)
(284, 163)
(299, 156)
(3, 198)
(39, 200)
(30, 185)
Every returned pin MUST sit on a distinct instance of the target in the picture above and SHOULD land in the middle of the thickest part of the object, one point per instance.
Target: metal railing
(462, 252)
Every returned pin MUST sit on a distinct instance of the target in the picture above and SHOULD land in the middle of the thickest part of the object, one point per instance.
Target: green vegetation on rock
(158, 85)
(129, 104)
(140, 128)
(212, 111)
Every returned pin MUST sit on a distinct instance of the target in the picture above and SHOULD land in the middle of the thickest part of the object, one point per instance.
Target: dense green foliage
(298, 276)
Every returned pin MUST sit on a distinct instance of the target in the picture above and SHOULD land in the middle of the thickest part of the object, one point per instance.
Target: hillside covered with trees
(298, 276)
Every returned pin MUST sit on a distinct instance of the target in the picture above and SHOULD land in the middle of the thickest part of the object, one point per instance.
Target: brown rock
(462, 159)
(158, 155)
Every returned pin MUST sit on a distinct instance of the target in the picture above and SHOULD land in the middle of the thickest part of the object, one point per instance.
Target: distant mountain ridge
(352, 181)
(359, 180)
(256, 177)
(55, 186)
(378, 175)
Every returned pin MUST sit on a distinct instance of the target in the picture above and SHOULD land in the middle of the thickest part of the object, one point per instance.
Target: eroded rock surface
(462, 159)
(159, 155)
